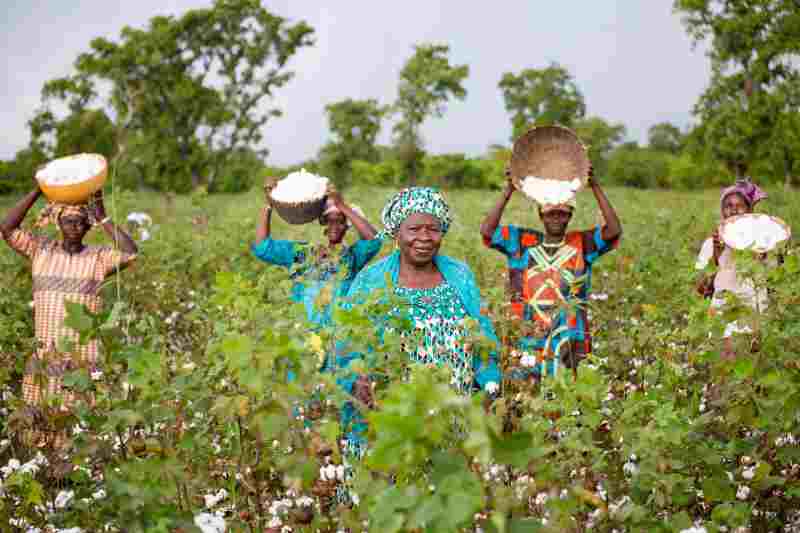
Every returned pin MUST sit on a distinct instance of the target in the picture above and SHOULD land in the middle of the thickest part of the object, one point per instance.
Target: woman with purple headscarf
(738, 199)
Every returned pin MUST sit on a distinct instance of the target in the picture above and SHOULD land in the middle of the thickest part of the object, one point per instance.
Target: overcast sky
(631, 59)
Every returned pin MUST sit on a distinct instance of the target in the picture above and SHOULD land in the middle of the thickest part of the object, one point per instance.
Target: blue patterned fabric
(311, 275)
(459, 282)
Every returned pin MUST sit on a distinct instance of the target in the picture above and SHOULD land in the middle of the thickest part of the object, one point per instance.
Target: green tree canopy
(754, 50)
(354, 125)
(665, 137)
(601, 138)
(427, 82)
(541, 96)
(192, 88)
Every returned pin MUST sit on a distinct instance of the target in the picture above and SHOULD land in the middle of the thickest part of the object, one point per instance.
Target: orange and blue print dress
(548, 289)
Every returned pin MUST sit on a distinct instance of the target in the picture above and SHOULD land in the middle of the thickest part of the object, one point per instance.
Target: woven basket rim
(536, 136)
(731, 220)
(294, 205)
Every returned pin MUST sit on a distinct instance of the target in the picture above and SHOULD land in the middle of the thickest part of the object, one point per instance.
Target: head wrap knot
(751, 192)
(53, 212)
(413, 200)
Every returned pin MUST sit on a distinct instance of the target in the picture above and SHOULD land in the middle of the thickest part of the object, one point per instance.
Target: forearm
(363, 227)
(492, 220)
(613, 228)
(121, 240)
(17, 213)
(264, 223)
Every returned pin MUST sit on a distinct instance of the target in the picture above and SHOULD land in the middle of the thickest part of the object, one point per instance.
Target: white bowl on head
(72, 179)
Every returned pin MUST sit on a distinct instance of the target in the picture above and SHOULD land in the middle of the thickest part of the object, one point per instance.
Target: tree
(427, 82)
(355, 125)
(543, 96)
(754, 47)
(665, 137)
(632, 166)
(783, 145)
(192, 88)
(601, 137)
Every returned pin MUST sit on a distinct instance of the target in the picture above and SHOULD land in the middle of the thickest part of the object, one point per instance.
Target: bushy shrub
(687, 171)
(639, 167)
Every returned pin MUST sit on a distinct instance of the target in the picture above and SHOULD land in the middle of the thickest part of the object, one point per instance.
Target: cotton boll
(300, 186)
(71, 170)
(64, 498)
(547, 192)
(759, 233)
(208, 523)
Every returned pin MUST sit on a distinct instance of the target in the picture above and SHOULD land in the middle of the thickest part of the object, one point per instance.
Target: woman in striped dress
(65, 270)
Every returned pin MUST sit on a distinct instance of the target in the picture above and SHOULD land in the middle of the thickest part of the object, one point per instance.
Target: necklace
(553, 245)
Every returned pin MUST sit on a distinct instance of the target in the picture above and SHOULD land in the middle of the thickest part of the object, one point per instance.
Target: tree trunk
(787, 169)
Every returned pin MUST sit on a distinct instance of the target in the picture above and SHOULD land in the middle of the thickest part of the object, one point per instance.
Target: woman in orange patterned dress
(549, 277)
(65, 270)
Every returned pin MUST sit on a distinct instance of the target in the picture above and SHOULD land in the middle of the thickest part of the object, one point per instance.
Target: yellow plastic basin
(75, 193)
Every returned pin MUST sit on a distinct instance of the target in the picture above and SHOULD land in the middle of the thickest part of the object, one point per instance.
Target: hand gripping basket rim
(728, 221)
(553, 152)
(298, 212)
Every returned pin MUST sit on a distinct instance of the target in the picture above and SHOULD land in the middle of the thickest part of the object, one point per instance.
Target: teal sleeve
(277, 252)
(363, 251)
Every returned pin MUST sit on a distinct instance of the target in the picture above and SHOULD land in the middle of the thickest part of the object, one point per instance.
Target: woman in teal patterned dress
(314, 269)
(437, 294)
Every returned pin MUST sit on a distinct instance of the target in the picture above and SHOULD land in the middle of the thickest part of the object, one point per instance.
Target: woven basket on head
(551, 152)
(298, 213)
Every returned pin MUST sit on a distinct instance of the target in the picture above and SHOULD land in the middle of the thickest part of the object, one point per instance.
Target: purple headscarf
(751, 192)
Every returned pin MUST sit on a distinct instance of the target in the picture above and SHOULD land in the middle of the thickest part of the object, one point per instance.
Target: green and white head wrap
(407, 202)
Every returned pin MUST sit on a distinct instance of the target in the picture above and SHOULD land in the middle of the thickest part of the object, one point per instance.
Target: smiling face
(419, 238)
(73, 227)
(335, 227)
(555, 222)
(735, 204)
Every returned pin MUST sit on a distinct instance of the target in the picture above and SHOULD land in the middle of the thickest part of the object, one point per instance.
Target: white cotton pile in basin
(760, 233)
(298, 187)
(549, 192)
(71, 170)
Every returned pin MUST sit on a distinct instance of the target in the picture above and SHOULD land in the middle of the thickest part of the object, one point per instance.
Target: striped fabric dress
(60, 277)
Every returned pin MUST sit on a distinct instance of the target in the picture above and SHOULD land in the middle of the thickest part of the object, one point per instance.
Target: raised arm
(263, 228)
(121, 240)
(363, 227)
(613, 228)
(264, 225)
(492, 220)
(17, 213)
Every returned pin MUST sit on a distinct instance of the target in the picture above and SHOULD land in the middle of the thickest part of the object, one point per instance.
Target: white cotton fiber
(71, 170)
(759, 233)
(301, 186)
(549, 192)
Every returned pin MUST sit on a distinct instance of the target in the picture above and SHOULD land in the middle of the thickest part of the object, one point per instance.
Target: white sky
(631, 59)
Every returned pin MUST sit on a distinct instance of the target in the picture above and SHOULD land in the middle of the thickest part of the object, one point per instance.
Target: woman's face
(419, 238)
(734, 204)
(556, 221)
(73, 227)
(335, 227)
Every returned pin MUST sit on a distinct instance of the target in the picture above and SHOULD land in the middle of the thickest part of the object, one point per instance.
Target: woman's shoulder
(378, 268)
(448, 265)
